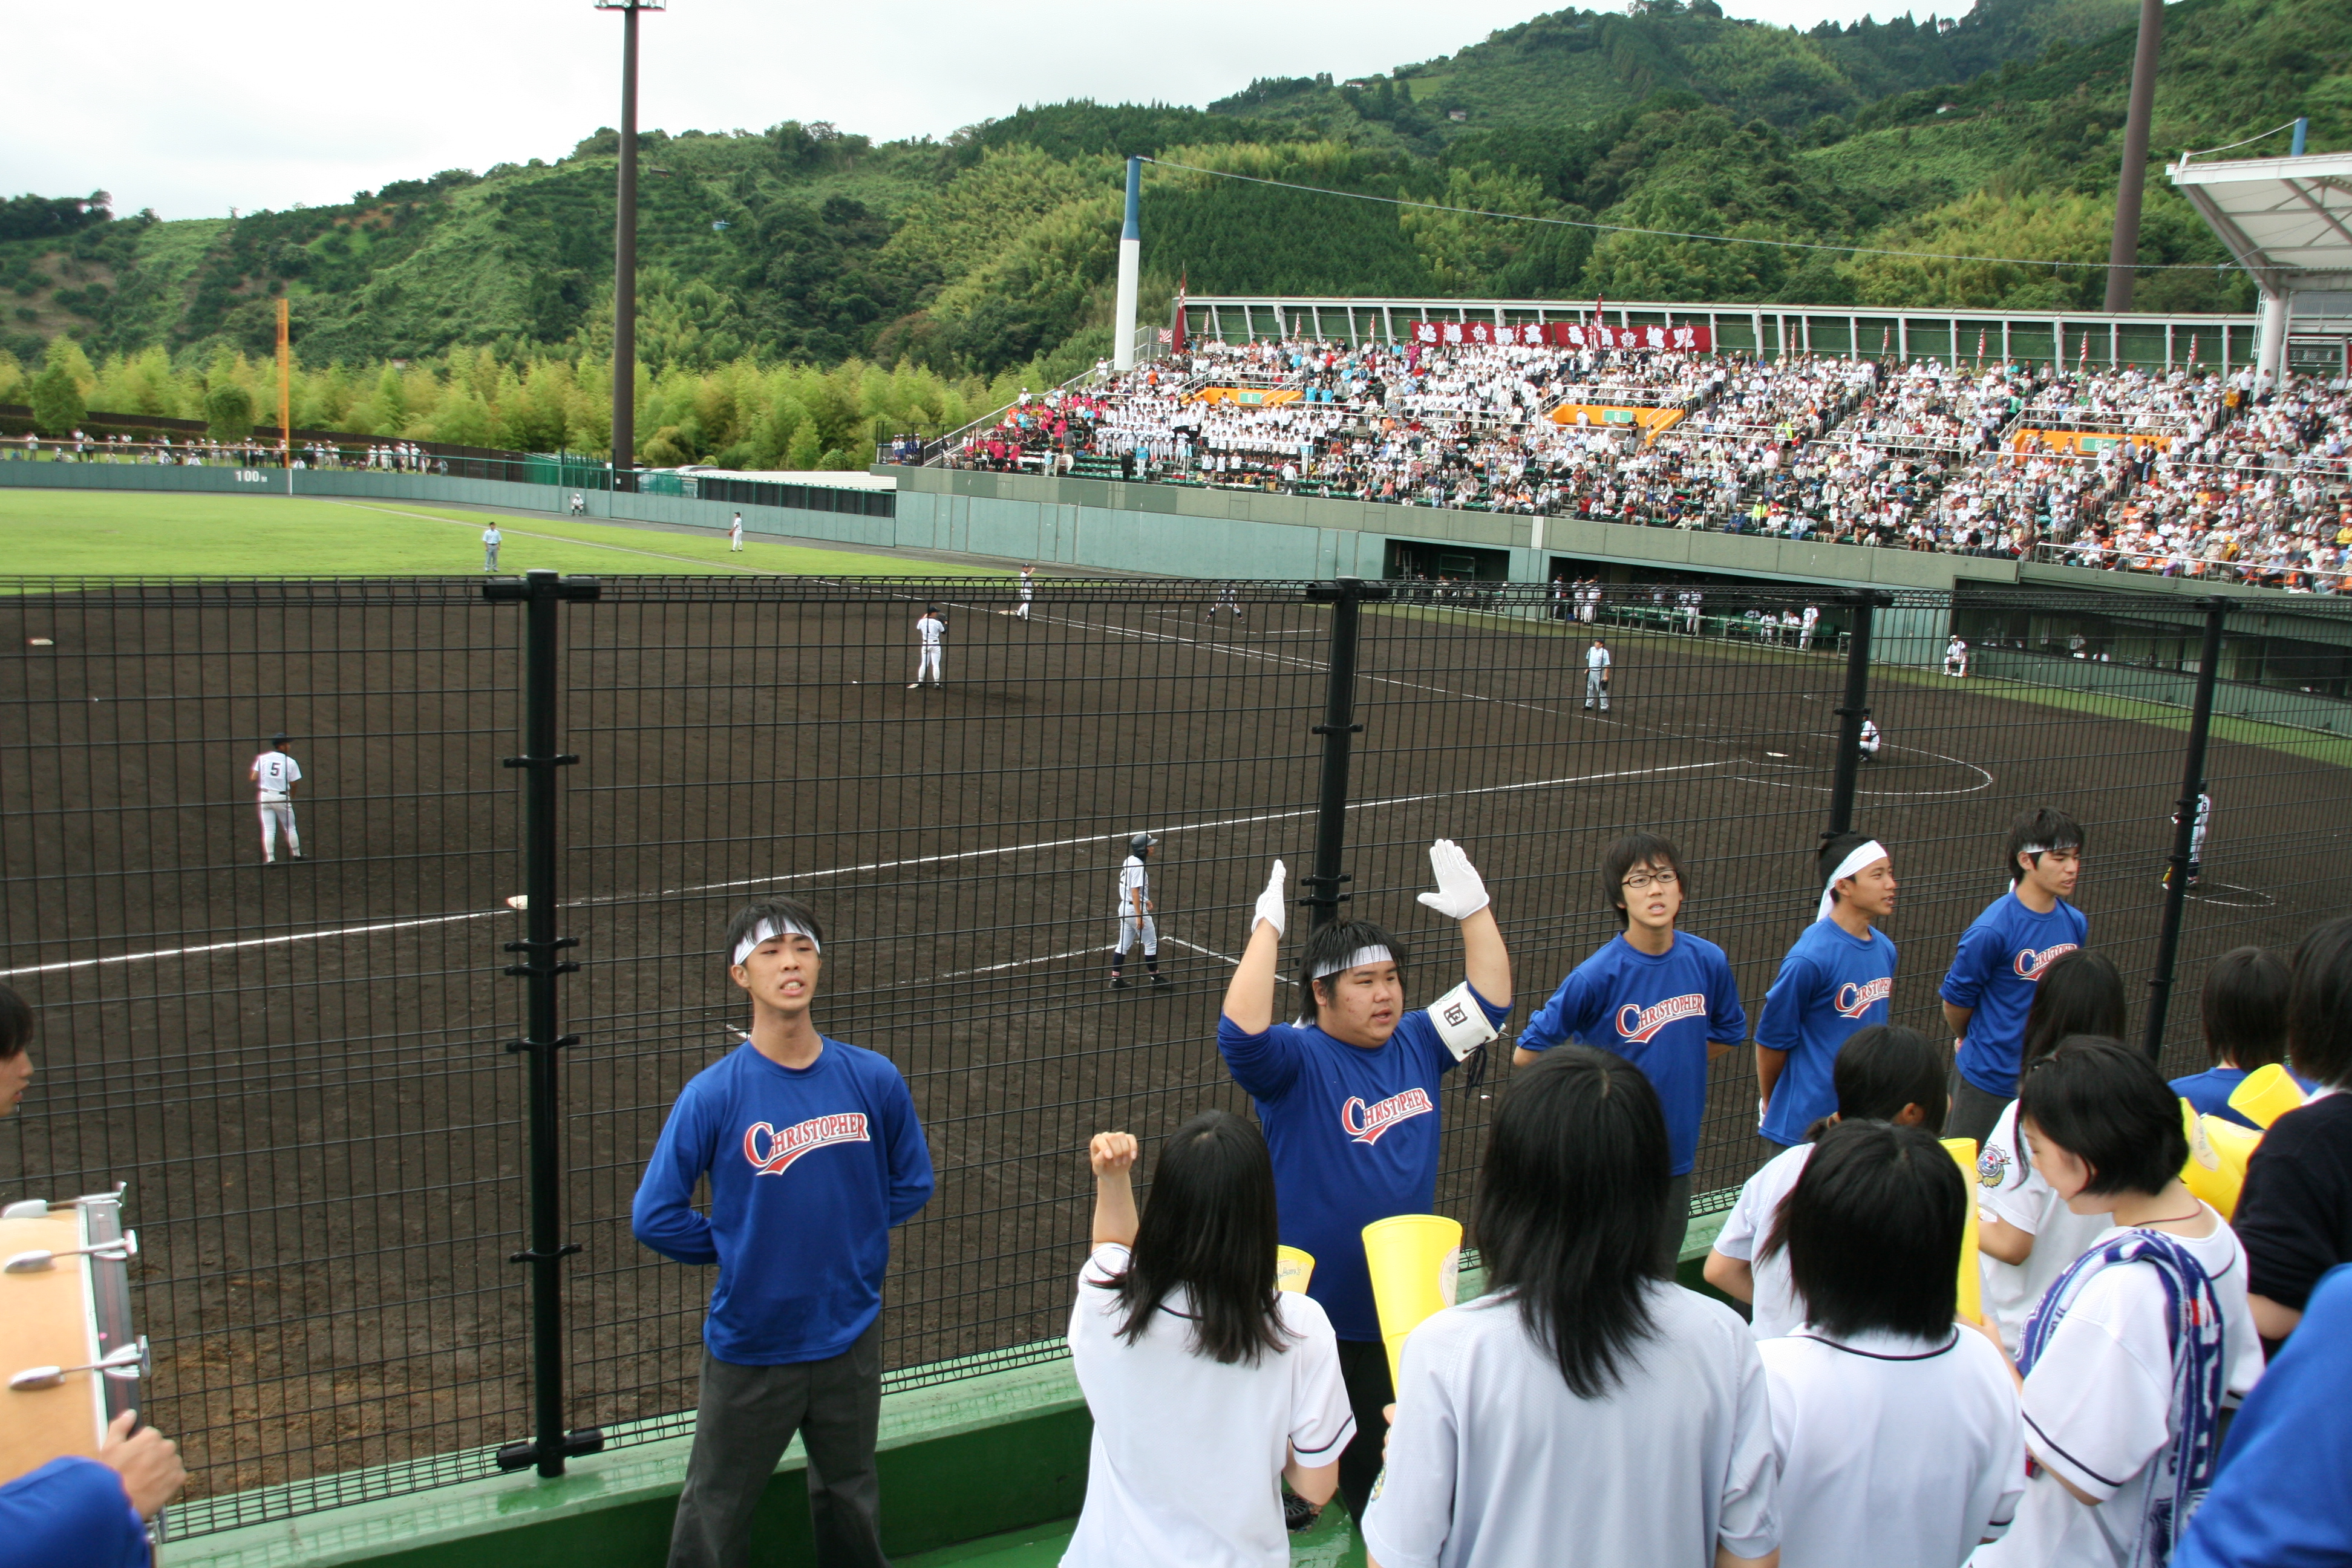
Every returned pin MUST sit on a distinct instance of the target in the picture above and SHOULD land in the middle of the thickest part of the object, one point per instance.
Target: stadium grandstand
(2139, 443)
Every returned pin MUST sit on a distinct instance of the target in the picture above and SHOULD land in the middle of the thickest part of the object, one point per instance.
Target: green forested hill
(990, 255)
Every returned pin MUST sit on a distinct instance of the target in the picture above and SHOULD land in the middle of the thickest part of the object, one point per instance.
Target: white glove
(1460, 892)
(1271, 906)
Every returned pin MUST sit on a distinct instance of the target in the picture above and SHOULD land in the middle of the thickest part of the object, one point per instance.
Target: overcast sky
(274, 102)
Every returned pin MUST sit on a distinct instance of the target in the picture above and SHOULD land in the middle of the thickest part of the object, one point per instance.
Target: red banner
(1566, 335)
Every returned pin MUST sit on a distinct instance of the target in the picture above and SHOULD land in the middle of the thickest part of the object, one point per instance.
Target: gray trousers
(1596, 688)
(745, 1420)
(1974, 1113)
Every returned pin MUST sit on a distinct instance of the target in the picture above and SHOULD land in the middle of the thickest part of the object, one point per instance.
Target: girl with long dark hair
(1206, 1382)
(1586, 1407)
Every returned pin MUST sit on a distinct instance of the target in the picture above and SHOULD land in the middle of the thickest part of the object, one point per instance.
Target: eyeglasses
(1643, 882)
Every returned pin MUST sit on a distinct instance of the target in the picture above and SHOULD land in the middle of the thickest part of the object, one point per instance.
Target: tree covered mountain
(990, 255)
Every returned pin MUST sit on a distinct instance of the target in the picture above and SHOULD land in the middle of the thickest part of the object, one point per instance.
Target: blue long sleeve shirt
(2000, 962)
(1830, 985)
(1353, 1134)
(810, 1168)
(1658, 1011)
(70, 1512)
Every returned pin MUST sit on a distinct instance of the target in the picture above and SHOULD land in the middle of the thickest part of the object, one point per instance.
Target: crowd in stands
(405, 456)
(2175, 473)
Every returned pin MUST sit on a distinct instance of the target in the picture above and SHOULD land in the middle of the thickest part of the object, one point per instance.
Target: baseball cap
(282, 735)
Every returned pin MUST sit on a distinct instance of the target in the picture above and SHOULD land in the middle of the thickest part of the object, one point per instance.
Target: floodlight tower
(624, 251)
(1130, 270)
(2122, 253)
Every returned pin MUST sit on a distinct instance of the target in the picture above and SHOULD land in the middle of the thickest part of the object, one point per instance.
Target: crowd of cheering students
(2175, 474)
(2148, 1383)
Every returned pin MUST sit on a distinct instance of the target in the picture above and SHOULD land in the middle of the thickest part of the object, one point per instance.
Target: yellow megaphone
(1971, 1302)
(2218, 1153)
(1416, 1259)
(1292, 1269)
(2268, 1093)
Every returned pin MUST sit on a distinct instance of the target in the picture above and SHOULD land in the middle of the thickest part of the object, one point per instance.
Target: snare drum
(73, 1314)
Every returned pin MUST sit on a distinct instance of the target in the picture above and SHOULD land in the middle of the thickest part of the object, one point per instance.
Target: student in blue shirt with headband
(1837, 979)
(1656, 995)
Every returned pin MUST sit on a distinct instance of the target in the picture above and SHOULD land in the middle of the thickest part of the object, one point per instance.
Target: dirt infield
(301, 1068)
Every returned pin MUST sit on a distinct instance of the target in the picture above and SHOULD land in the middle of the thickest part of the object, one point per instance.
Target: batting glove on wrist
(1271, 906)
(1460, 891)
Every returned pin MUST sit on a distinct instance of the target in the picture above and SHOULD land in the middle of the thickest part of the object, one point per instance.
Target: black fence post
(1346, 596)
(1852, 709)
(541, 591)
(2184, 826)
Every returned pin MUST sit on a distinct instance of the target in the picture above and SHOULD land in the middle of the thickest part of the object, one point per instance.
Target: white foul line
(1040, 845)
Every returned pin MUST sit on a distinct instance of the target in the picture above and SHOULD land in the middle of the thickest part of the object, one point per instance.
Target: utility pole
(2124, 253)
(624, 251)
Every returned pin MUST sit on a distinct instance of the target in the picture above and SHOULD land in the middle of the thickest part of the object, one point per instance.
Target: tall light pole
(2123, 254)
(624, 251)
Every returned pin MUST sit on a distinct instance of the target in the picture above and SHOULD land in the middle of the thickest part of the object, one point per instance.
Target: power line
(1679, 234)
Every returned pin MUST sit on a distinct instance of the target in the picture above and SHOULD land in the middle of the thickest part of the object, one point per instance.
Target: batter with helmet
(1135, 922)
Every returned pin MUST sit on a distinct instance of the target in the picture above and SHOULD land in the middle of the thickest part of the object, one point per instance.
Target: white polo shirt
(1893, 1452)
(2018, 1195)
(1185, 1466)
(2098, 1407)
(1776, 1310)
(274, 770)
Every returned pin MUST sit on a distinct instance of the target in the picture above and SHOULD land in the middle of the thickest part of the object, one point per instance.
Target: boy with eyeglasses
(1658, 996)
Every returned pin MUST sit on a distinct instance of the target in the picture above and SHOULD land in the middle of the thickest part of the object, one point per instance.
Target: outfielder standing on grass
(735, 534)
(491, 539)
(1596, 674)
(1659, 997)
(1839, 978)
(930, 646)
(1135, 922)
(812, 1153)
(275, 773)
(2001, 956)
(1348, 1098)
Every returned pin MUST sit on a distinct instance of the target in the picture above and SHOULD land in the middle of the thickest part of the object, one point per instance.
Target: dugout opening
(1435, 562)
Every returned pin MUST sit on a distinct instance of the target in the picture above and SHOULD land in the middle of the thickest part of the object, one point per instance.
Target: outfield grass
(130, 533)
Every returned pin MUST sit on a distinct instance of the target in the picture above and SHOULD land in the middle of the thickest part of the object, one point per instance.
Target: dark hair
(1882, 1069)
(2319, 1005)
(1833, 853)
(2245, 1008)
(1330, 944)
(15, 1024)
(1571, 1197)
(2108, 1107)
(2082, 993)
(1873, 1231)
(1208, 1229)
(1637, 849)
(2047, 827)
(777, 908)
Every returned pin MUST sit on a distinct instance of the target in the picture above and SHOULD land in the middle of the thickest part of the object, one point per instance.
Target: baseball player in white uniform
(932, 637)
(275, 773)
(735, 534)
(491, 539)
(1028, 592)
(1956, 657)
(1813, 618)
(1869, 740)
(1596, 675)
(2196, 839)
(579, 504)
(1135, 922)
(1228, 598)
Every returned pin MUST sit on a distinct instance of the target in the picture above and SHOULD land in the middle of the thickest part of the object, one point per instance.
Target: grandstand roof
(2287, 220)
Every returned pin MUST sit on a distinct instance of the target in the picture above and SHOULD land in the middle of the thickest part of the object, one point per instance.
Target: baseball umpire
(1135, 922)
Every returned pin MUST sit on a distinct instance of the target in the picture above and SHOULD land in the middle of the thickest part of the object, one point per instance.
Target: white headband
(1863, 856)
(769, 931)
(1356, 960)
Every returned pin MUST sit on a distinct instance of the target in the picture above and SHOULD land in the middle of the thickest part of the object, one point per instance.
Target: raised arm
(1462, 895)
(1110, 1156)
(1249, 997)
